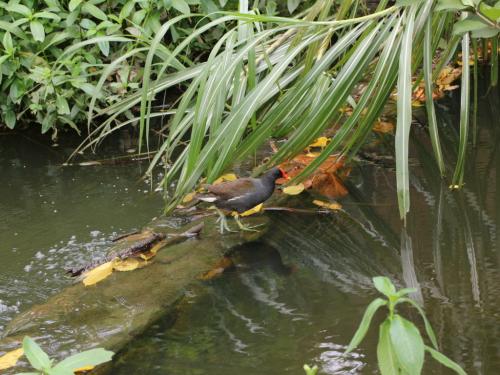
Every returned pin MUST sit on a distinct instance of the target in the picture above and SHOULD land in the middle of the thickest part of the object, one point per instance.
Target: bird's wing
(233, 189)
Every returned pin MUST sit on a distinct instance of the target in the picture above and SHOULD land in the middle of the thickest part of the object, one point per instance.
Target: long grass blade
(458, 175)
(404, 111)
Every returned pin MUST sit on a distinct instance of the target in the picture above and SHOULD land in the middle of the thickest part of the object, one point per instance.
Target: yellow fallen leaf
(123, 265)
(225, 178)
(98, 274)
(294, 189)
(10, 359)
(147, 256)
(189, 197)
(320, 142)
(329, 205)
(157, 247)
(251, 211)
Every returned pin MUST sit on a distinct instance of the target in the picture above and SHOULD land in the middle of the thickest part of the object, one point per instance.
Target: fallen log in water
(115, 310)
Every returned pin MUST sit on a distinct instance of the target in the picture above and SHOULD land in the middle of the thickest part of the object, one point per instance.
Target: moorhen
(241, 195)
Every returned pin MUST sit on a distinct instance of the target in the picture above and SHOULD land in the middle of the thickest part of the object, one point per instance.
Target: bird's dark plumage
(244, 193)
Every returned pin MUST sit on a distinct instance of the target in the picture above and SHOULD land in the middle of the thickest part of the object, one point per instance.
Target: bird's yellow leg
(244, 227)
(222, 222)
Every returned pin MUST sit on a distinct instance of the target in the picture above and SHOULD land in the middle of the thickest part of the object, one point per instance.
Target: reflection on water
(298, 295)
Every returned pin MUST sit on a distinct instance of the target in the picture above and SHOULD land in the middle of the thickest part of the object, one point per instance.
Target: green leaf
(36, 356)
(458, 174)
(450, 5)
(7, 43)
(428, 327)
(62, 105)
(94, 11)
(486, 32)
(444, 360)
(292, 5)
(407, 344)
(127, 9)
(37, 31)
(429, 101)
(91, 357)
(47, 15)
(310, 370)
(181, 6)
(104, 47)
(19, 8)
(493, 13)
(365, 323)
(387, 360)
(471, 23)
(407, 2)
(404, 112)
(73, 4)
(10, 120)
(384, 285)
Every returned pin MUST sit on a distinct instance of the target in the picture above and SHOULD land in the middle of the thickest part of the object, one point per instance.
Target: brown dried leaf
(329, 205)
(294, 189)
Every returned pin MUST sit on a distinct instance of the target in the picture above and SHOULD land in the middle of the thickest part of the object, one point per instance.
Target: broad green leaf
(469, 24)
(450, 5)
(62, 105)
(428, 327)
(94, 11)
(19, 8)
(181, 6)
(37, 31)
(444, 360)
(91, 357)
(404, 112)
(405, 291)
(7, 43)
(365, 323)
(387, 360)
(407, 344)
(493, 13)
(47, 15)
(10, 119)
(486, 32)
(384, 285)
(292, 5)
(36, 356)
(73, 4)
(104, 47)
(127, 9)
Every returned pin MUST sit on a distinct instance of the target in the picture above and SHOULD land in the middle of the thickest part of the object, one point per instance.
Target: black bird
(242, 194)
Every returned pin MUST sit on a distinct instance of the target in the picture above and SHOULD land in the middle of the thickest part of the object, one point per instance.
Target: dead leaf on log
(10, 359)
(97, 274)
(128, 264)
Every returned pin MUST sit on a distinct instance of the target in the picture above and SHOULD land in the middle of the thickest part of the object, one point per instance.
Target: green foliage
(51, 54)
(311, 370)
(40, 361)
(400, 349)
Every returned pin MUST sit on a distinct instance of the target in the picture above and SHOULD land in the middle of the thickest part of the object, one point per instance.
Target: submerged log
(122, 306)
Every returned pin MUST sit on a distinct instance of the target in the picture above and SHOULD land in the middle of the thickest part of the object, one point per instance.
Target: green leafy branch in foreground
(45, 366)
(400, 349)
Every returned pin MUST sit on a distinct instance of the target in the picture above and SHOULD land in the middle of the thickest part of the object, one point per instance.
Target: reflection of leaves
(10, 359)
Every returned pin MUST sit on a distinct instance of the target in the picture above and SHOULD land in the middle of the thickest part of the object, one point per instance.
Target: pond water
(297, 295)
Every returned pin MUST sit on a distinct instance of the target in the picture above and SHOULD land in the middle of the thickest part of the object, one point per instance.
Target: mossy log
(112, 312)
